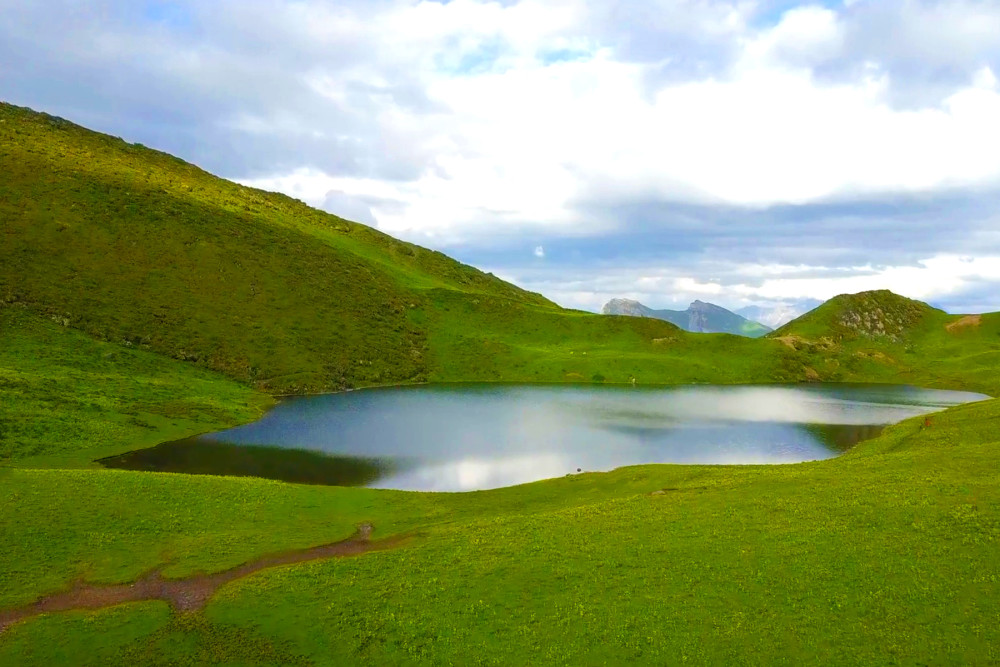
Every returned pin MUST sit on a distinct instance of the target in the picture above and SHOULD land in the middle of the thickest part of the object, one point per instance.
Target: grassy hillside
(881, 336)
(131, 245)
(878, 315)
(138, 248)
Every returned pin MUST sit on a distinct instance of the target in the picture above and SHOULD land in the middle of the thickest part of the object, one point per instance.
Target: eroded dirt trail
(193, 592)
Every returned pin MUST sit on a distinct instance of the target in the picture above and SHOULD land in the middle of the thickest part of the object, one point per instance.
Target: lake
(468, 437)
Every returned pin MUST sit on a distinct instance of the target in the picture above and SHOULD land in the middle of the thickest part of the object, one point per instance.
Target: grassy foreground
(886, 554)
(66, 399)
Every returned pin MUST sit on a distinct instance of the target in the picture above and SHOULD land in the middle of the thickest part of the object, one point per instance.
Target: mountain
(700, 317)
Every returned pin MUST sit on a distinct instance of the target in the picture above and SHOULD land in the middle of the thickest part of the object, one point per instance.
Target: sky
(764, 153)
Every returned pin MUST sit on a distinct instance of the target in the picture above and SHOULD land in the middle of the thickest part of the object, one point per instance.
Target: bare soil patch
(965, 323)
(191, 593)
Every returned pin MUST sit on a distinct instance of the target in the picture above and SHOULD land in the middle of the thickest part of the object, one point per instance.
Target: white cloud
(933, 278)
(539, 252)
(518, 139)
(984, 78)
(937, 279)
(461, 123)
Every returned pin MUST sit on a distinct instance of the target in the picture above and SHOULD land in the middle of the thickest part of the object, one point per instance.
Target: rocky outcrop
(626, 307)
(881, 314)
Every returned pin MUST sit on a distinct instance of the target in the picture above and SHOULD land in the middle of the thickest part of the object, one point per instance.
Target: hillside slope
(66, 399)
(875, 315)
(136, 247)
(879, 336)
(132, 245)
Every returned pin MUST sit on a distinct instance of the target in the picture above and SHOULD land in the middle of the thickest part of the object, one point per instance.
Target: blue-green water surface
(466, 437)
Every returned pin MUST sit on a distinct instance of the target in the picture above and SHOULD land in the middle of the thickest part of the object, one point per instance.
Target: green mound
(877, 315)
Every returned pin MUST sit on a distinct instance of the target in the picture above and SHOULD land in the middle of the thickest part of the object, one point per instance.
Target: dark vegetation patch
(66, 398)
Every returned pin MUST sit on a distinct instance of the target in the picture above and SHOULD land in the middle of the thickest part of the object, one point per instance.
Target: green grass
(144, 300)
(66, 399)
(886, 554)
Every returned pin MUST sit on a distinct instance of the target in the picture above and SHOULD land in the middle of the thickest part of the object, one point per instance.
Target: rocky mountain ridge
(700, 317)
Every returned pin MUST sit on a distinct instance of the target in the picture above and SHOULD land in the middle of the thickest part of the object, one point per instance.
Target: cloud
(539, 252)
(677, 141)
(954, 283)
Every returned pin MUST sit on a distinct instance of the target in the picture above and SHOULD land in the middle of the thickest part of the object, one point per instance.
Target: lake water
(466, 437)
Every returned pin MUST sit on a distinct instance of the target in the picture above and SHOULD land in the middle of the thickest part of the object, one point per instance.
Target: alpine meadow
(144, 300)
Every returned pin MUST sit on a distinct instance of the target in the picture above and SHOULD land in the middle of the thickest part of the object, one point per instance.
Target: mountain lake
(470, 437)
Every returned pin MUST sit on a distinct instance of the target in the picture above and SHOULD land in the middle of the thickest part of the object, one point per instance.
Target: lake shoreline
(505, 434)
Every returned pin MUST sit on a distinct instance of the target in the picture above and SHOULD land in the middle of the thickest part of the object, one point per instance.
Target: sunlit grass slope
(66, 399)
(133, 246)
(886, 554)
(130, 244)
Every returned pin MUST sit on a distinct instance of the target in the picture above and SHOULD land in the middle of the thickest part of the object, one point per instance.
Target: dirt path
(191, 593)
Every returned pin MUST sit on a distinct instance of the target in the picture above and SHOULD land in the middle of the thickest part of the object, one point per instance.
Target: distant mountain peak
(700, 317)
(624, 307)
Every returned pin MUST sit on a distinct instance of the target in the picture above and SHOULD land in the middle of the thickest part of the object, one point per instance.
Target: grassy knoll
(886, 554)
(882, 337)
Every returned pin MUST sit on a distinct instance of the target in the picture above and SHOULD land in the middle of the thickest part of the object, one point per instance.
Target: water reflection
(457, 438)
(198, 456)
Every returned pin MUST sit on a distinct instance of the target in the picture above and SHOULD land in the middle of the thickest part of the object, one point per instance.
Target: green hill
(881, 336)
(877, 315)
(132, 245)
